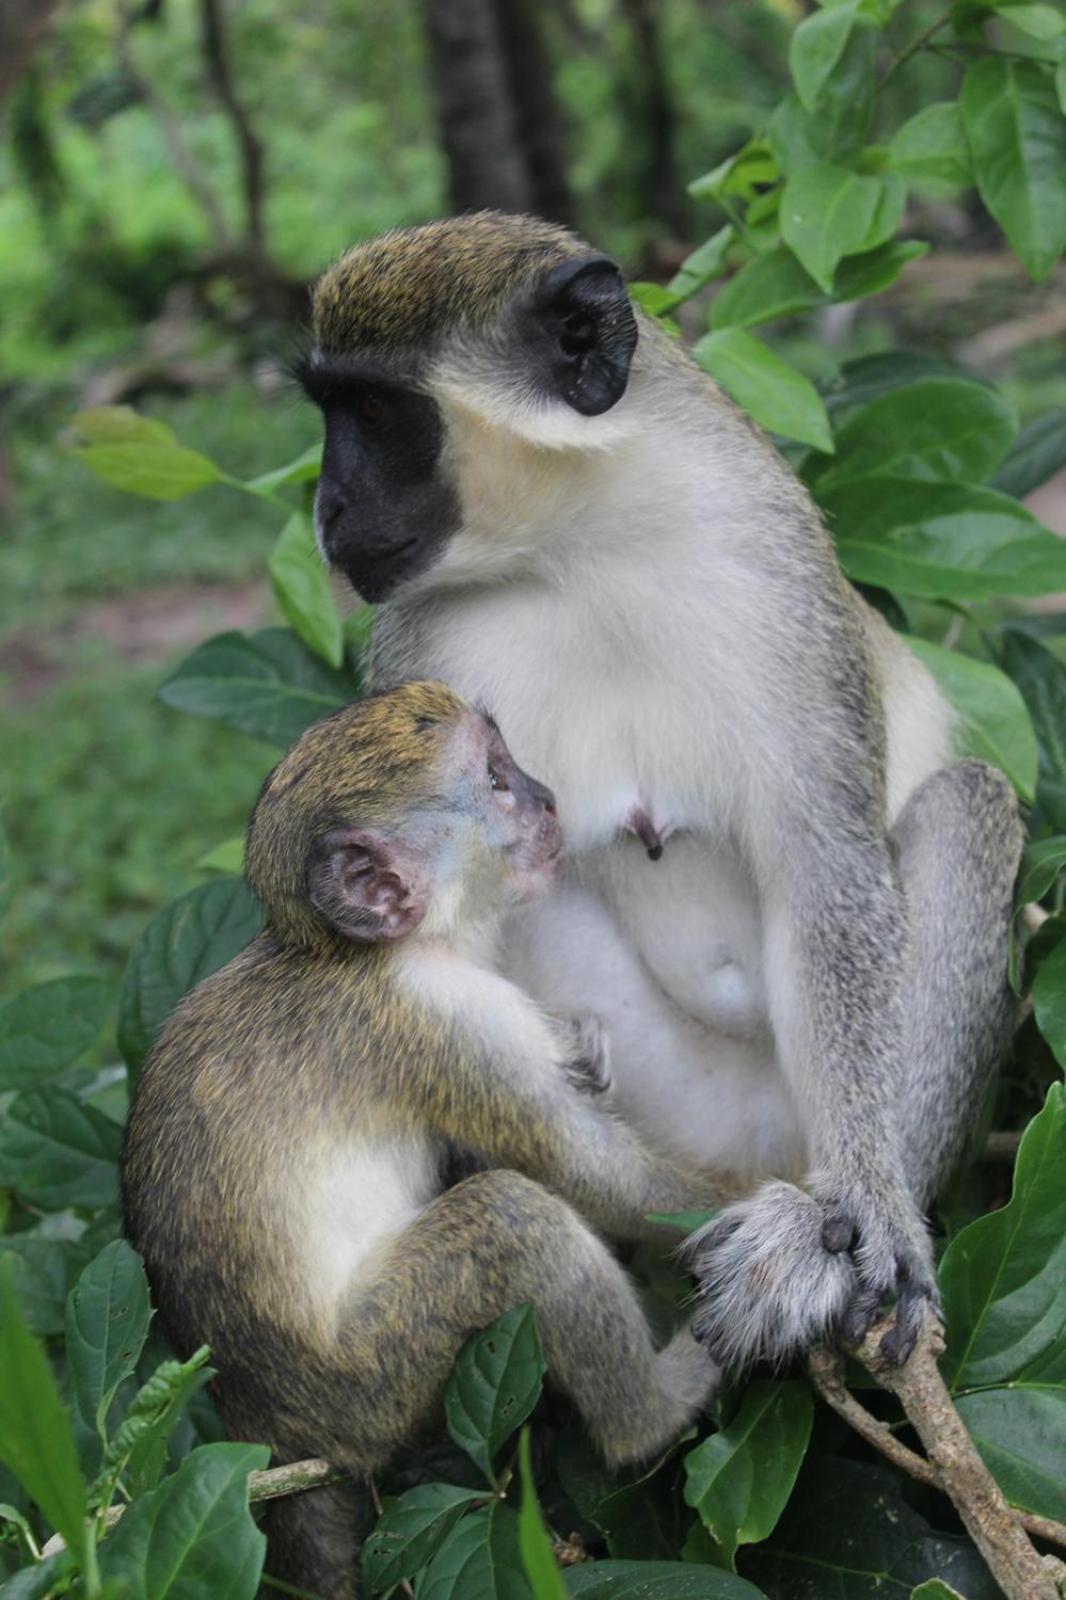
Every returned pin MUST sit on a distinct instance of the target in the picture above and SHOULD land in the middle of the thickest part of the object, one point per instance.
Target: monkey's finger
(860, 1315)
(912, 1308)
(839, 1232)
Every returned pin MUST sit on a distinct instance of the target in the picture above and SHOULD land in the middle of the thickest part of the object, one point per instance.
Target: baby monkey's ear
(365, 885)
(580, 332)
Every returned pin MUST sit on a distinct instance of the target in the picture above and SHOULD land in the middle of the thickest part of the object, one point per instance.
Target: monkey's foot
(886, 1238)
(769, 1286)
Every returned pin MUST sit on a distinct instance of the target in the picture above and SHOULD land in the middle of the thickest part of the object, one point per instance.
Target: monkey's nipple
(640, 823)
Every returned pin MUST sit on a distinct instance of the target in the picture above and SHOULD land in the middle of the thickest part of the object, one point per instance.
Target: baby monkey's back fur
(288, 1150)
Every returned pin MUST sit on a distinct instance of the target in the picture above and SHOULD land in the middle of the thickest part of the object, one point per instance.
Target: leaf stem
(913, 48)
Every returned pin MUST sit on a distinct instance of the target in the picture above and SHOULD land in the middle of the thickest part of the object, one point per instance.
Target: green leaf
(773, 285)
(652, 298)
(1020, 1432)
(932, 147)
(636, 1508)
(185, 943)
(495, 1385)
(703, 265)
(739, 1479)
(1049, 1001)
(305, 469)
(225, 857)
(44, 1029)
(775, 394)
(479, 1560)
(936, 1589)
(107, 1323)
(119, 425)
(194, 1535)
(828, 212)
(942, 541)
(301, 586)
(656, 1580)
(7, 868)
(40, 1580)
(35, 1437)
(849, 1533)
(56, 1152)
(156, 470)
(1038, 453)
(43, 1271)
(1017, 138)
(993, 718)
(1038, 20)
(1042, 862)
(866, 378)
(136, 1450)
(1041, 677)
(1003, 1278)
(533, 1541)
(938, 429)
(268, 685)
(411, 1531)
(860, 276)
(816, 47)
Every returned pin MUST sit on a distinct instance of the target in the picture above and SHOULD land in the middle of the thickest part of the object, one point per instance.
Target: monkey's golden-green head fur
(414, 283)
(368, 765)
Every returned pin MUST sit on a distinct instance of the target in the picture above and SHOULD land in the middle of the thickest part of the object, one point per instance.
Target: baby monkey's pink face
(517, 813)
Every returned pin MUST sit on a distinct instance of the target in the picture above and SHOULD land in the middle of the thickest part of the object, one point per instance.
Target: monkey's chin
(532, 879)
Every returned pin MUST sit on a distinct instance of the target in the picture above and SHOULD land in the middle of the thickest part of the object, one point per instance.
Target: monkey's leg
(780, 1272)
(493, 1242)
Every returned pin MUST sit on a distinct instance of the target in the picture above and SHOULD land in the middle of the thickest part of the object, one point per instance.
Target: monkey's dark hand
(588, 1055)
(886, 1238)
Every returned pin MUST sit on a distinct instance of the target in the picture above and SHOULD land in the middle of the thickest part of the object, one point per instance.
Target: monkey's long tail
(313, 1540)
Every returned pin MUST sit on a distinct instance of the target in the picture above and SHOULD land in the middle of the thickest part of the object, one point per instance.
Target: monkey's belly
(704, 1093)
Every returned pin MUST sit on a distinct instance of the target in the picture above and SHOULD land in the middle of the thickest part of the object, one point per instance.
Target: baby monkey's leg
(496, 1241)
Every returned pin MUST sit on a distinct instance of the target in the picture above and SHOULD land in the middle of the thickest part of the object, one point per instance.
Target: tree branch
(219, 72)
(953, 1465)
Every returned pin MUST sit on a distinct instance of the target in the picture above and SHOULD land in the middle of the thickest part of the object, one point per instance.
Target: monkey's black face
(384, 507)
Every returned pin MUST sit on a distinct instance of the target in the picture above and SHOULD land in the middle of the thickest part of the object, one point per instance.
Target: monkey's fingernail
(838, 1234)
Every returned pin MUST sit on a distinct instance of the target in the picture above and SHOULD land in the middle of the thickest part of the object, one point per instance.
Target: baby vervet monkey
(284, 1174)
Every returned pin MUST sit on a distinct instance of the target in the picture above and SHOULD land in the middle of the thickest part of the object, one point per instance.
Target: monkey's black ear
(363, 885)
(582, 332)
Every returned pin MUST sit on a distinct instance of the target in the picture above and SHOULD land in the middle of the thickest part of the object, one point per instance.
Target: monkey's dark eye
(578, 334)
(497, 780)
(371, 411)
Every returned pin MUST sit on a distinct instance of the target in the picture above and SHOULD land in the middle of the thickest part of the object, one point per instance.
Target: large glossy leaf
(185, 943)
(775, 394)
(836, 129)
(1035, 456)
(866, 378)
(931, 146)
(118, 425)
(828, 212)
(739, 1479)
(657, 1580)
(44, 1029)
(107, 1323)
(1042, 862)
(410, 1532)
(1049, 1001)
(56, 1152)
(943, 429)
(936, 1589)
(942, 541)
(816, 47)
(703, 265)
(495, 1385)
(773, 285)
(848, 1533)
(157, 470)
(301, 587)
(1041, 678)
(43, 1271)
(479, 1560)
(268, 685)
(35, 1437)
(1017, 137)
(193, 1536)
(993, 719)
(1003, 1278)
(638, 1509)
(1021, 1434)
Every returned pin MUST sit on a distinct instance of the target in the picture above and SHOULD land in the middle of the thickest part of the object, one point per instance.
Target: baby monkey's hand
(587, 1054)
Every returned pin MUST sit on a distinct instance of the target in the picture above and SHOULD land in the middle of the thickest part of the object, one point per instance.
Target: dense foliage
(920, 469)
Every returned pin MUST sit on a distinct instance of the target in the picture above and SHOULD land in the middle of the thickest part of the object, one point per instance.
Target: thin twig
(913, 48)
(999, 1530)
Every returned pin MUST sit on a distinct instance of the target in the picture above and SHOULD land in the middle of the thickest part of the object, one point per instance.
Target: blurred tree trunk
(660, 192)
(216, 59)
(499, 119)
(23, 25)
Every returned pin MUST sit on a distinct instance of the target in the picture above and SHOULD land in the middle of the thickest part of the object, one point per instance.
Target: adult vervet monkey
(565, 519)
